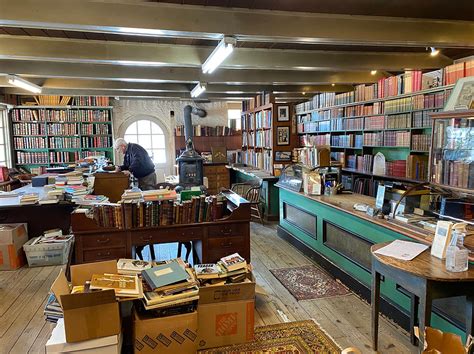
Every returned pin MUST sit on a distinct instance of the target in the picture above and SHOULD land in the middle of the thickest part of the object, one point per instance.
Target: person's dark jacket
(137, 161)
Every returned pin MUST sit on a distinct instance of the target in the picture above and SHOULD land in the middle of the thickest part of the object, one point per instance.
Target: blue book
(165, 274)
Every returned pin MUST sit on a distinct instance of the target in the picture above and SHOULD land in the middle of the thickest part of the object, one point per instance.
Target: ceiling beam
(157, 19)
(150, 54)
(183, 75)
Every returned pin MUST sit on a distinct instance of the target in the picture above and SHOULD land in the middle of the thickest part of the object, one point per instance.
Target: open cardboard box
(87, 315)
(226, 314)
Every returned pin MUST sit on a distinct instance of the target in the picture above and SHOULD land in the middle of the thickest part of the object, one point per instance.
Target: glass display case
(452, 151)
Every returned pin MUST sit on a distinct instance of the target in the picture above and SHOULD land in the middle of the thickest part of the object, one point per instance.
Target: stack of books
(125, 286)
(131, 195)
(169, 285)
(53, 311)
(132, 266)
(29, 198)
(159, 194)
(90, 199)
(229, 269)
(74, 192)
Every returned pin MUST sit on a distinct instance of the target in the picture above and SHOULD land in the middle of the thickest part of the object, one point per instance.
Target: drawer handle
(105, 254)
(226, 244)
(107, 240)
(226, 231)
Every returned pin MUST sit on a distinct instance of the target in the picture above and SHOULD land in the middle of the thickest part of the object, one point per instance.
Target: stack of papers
(404, 250)
(11, 194)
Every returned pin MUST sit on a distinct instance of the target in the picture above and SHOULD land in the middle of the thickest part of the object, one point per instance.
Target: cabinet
(452, 151)
(217, 177)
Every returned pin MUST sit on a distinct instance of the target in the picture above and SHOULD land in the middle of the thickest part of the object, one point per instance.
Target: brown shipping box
(12, 238)
(173, 334)
(87, 315)
(226, 314)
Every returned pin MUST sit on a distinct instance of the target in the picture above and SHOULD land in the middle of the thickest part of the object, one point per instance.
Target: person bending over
(136, 161)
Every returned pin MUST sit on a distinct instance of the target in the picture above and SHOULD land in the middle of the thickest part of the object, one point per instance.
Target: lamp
(198, 89)
(24, 84)
(219, 54)
(434, 51)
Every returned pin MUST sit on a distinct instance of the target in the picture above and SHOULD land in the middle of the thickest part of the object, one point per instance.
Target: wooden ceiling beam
(158, 19)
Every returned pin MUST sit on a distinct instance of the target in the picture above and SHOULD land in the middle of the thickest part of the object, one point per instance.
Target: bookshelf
(359, 124)
(54, 135)
(268, 133)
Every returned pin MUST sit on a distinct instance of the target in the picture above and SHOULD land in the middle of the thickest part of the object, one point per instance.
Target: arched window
(150, 136)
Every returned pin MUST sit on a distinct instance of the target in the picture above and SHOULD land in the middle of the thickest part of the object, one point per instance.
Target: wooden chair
(251, 192)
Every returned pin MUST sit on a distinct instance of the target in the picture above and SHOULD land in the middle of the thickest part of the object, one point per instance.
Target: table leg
(425, 313)
(469, 315)
(375, 302)
(415, 301)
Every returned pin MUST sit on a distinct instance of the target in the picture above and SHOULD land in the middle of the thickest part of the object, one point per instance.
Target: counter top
(254, 172)
(345, 203)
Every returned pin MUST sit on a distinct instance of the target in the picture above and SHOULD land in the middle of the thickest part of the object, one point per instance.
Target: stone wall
(126, 111)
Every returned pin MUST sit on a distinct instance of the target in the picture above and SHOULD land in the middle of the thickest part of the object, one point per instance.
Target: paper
(403, 250)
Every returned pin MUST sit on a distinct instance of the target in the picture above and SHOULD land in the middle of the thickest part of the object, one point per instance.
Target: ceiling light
(434, 51)
(24, 84)
(218, 55)
(373, 72)
(304, 93)
(198, 89)
(333, 85)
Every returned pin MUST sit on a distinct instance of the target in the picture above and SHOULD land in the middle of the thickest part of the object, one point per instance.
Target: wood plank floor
(23, 294)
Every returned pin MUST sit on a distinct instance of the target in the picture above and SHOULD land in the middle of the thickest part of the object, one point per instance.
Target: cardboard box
(105, 345)
(225, 323)
(12, 238)
(228, 292)
(173, 334)
(45, 254)
(87, 315)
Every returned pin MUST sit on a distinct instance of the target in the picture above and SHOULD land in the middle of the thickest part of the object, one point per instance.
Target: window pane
(145, 141)
(155, 129)
(2, 153)
(143, 127)
(132, 129)
(159, 141)
(233, 113)
(131, 138)
(1, 136)
(159, 156)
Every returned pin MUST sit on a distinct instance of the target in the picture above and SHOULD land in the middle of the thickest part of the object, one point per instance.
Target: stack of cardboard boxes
(12, 239)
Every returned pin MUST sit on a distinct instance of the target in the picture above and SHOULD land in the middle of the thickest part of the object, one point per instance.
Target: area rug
(299, 337)
(309, 282)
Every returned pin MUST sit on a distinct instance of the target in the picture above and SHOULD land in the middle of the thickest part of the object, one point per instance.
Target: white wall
(126, 111)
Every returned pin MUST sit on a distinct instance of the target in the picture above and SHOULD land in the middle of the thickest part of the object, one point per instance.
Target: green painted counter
(339, 238)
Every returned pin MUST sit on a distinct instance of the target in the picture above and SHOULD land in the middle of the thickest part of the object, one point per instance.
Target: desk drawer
(228, 230)
(104, 254)
(227, 245)
(108, 240)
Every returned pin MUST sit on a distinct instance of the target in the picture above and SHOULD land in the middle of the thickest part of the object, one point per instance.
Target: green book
(164, 275)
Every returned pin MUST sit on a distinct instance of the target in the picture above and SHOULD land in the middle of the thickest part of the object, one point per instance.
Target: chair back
(253, 195)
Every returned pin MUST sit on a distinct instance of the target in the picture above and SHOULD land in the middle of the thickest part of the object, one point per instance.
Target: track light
(333, 85)
(198, 89)
(434, 51)
(24, 84)
(373, 72)
(219, 54)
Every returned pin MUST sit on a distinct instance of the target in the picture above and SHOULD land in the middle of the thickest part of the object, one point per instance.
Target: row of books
(91, 101)
(100, 129)
(454, 72)
(96, 142)
(420, 142)
(350, 140)
(353, 124)
(203, 130)
(364, 185)
(31, 157)
(248, 121)
(156, 213)
(336, 124)
(64, 143)
(422, 119)
(373, 139)
(365, 92)
(63, 157)
(417, 167)
(29, 143)
(408, 82)
(396, 138)
(454, 173)
(260, 100)
(60, 115)
(396, 168)
(62, 129)
(374, 122)
(263, 119)
(263, 138)
(339, 157)
(398, 121)
(28, 129)
(248, 138)
(315, 140)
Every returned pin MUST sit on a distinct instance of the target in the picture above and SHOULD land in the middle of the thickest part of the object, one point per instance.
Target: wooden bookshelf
(204, 143)
(46, 136)
(397, 126)
(262, 131)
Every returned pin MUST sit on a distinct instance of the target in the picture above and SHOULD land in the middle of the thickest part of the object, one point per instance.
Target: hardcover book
(233, 262)
(165, 274)
(123, 285)
(132, 266)
(207, 271)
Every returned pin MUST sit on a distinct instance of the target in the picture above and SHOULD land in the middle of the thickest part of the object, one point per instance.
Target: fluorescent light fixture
(373, 72)
(198, 89)
(434, 51)
(218, 55)
(24, 84)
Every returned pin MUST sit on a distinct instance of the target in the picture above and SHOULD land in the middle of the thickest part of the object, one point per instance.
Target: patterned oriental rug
(309, 282)
(299, 337)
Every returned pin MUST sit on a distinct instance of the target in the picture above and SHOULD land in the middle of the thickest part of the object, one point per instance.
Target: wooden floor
(346, 318)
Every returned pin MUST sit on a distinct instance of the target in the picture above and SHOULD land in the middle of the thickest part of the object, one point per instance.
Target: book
(123, 285)
(233, 262)
(208, 271)
(177, 302)
(153, 298)
(132, 266)
(165, 274)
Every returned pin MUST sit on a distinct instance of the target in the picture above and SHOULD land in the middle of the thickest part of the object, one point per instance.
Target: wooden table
(427, 279)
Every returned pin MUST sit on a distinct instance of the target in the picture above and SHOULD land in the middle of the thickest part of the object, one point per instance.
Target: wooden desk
(212, 240)
(427, 279)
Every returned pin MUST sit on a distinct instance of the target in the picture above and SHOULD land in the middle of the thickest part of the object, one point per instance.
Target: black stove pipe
(188, 123)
